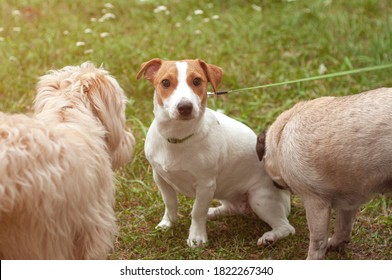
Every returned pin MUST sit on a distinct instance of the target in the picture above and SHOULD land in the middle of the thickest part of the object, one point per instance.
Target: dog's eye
(197, 82)
(166, 83)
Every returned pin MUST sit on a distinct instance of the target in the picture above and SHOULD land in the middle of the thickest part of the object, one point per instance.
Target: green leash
(332, 75)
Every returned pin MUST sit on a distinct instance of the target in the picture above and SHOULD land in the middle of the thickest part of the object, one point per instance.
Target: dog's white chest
(181, 180)
(174, 171)
(184, 166)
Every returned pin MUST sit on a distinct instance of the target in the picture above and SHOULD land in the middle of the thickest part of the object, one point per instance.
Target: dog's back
(28, 190)
(26, 148)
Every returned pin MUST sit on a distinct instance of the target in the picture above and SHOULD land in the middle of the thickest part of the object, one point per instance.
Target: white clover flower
(215, 17)
(15, 13)
(106, 17)
(322, 69)
(88, 30)
(108, 5)
(198, 12)
(197, 32)
(88, 51)
(104, 35)
(256, 8)
(178, 24)
(66, 32)
(16, 29)
(160, 8)
(80, 44)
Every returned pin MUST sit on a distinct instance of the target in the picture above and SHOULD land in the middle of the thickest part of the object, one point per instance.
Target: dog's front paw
(197, 241)
(164, 225)
(337, 245)
(197, 238)
(268, 238)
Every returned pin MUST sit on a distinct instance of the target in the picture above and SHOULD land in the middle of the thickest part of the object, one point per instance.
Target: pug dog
(334, 152)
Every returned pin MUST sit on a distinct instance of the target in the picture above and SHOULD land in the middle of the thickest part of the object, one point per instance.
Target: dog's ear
(108, 101)
(88, 82)
(214, 73)
(260, 145)
(149, 69)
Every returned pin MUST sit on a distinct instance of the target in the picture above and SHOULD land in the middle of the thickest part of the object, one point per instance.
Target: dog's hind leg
(225, 209)
(272, 206)
(344, 222)
(169, 197)
(318, 213)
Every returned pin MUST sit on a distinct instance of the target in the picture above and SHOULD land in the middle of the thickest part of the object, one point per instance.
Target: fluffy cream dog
(334, 152)
(200, 153)
(56, 178)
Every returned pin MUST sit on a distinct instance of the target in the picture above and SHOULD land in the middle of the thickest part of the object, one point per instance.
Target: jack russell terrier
(204, 154)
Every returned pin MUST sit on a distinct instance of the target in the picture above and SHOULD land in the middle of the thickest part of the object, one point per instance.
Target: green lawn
(255, 42)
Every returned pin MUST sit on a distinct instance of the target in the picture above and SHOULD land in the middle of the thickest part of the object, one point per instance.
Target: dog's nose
(185, 108)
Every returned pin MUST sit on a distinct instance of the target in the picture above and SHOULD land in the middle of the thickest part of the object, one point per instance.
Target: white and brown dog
(56, 178)
(204, 154)
(334, 152)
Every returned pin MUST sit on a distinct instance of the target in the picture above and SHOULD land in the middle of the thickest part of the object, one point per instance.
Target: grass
(255, 42)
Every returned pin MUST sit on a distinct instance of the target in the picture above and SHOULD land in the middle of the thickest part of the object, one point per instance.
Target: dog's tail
(260, 145)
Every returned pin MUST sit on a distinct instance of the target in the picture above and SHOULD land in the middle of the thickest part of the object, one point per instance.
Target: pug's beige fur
(334, 152)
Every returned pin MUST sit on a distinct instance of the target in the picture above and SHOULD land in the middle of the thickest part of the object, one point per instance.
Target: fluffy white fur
(56, 178)
(215, 156)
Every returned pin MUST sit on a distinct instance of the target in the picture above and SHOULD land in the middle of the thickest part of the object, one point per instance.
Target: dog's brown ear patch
(149, 69)
(214, 73)
(260, 145)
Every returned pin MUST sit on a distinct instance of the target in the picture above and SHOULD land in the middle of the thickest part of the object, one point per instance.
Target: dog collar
(178, 141)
